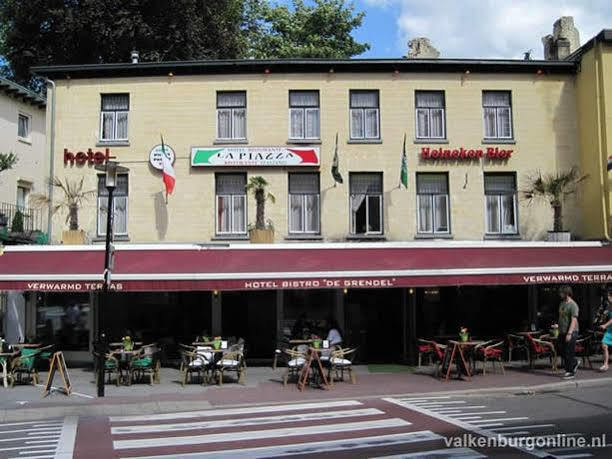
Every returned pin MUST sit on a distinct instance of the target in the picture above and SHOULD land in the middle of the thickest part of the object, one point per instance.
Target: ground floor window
(500, 203)
(64, 320)
(366, 203)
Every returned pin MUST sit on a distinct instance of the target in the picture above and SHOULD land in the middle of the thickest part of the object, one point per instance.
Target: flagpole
(163, 153)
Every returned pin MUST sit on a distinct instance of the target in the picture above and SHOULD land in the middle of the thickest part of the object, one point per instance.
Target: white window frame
(101, 226)
(432, 197)
(305, 110)
(231, 197)
(115, 116)
(367, 201)
(500, 215)
(28, 137)
(364, 111)
(302, 197)
(232, 111)
(26, 194)
(428, 110)
(497, 119)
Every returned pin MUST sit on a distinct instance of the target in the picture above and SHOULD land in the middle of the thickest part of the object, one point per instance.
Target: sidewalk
(264, 386)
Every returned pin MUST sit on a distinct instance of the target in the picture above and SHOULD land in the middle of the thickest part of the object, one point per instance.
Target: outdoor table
(312, 356)
(525, 333)
(26, 345)
(300, 341)
(135, 343)
(124, 358)
(5, 358)
(456, 349)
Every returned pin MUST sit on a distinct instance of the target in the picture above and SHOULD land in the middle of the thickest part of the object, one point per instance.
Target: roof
(21, 93)
(244, 66)
(604, 36)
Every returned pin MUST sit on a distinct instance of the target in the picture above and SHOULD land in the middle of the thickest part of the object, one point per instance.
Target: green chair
(25, 364)
(146, 363)
(111, 367)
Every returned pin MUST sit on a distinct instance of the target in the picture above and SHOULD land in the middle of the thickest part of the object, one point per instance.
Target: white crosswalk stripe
(38, 439)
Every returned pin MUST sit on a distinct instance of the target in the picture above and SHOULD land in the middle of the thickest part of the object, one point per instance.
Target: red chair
(430, 350)
(583, 349)
(539, 348)
(492, 352)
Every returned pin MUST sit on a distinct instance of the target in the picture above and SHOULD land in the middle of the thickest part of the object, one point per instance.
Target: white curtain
(115, 102)
(357, 124)
(364, 99)
(371, 123)
(425, 214)
(312, 123)
(432, 184)
(509, 214)
(504, 128)
(120, 204)
(239, 118)
(239, 216)
(490, 124)
(492, 203)
(223, 214)
(231, 99)
(297, 123)
(312, 213)
(495, 99)
(429, 99)
(23, 127)
(224, 124)
(441, 215)
(296, 223)
(304, 98)
(122, 125)
(108, 125)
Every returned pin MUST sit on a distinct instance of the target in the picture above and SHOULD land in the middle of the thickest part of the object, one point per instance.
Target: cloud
(490, 28)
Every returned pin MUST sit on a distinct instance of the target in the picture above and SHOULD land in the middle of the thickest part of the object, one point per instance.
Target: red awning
(299, 266)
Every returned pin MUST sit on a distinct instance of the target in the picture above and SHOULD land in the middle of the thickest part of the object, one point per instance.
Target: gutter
(51, 160)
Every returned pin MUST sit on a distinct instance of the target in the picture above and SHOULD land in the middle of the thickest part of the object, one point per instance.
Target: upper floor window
(366, 203)
(23, 126)
(120, 205)
(231, 203)
(500, 203)
(231, 115)
(432, 203)
(304, 199)
(364, 108)
(304, 116)
(497, 112)
(114, 117)
(430, 115)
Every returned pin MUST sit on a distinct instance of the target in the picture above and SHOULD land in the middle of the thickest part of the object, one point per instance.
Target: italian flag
(168, 175)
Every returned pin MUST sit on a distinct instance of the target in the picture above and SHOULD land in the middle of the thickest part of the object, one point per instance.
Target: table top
(27, 345)
(300, 341)
(8, 354)
(467, 343)
(135, 343)
(527, 332)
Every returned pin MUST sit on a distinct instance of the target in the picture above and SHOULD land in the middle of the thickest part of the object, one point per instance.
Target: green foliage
(317, 29)
(7, 161)
(257, 185)
(17, 224)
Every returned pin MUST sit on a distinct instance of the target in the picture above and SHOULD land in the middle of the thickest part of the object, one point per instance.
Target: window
(23, 126)
(430, 114)
(114, 117)
(231, 115)
(364, 115)
(500, 203)
(304, 114)
(231, 203)
(23, 193)
(120, 205)
(497, 114)
(304, 203)
(366, 203)
(432, 204)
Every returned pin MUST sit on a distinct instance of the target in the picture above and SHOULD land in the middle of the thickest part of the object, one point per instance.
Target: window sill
(304, 142)
(113, 143)
(229, 237)
(498, 141)
(433, 236)
(366, 237)
(231, 142)
(364, 141)
(24, 140)
(304, 237)
(504, 237)
(432, 141)
(121, 238)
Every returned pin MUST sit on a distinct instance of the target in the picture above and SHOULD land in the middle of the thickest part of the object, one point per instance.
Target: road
(442, 426)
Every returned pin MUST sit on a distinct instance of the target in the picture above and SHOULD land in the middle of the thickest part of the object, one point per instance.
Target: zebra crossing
(495, 423)
(360, 428)
(52, 438)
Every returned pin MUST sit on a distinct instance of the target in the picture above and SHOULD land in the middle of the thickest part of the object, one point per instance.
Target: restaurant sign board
(88, 157)
(155, 155)
(465, 154)
(255, 156)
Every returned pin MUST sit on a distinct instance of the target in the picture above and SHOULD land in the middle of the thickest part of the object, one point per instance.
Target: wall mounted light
(215, 292)
(267, 71)
(539, 72)
(345, 291)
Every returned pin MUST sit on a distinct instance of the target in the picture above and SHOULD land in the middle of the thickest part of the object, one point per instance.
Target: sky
(474, 28)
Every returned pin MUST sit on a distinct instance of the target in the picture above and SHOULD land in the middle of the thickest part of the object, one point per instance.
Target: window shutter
(115, 102)
(231, 99)
(432, 184)
(230, 183)
(366, 183)
(499, 184)
(303, 183)
(495, 99)
(364, 99)
(303, 98)
(430, 99)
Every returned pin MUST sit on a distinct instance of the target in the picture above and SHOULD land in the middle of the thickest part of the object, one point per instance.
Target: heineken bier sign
(255, 156)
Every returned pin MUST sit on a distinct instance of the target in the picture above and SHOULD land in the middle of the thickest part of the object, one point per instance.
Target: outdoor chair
(46, 354)
(193, 362)
(233, 360)
(146, 363)
(429, 349)
(297, 359)
(438, 355)
(583, 349)
(490, 351)
(539, 348)
(111, 367)
(341, 360)
(24, 364)
(517, 343)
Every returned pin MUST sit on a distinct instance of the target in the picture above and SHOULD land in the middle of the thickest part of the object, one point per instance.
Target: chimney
(134, 55)
(421, 48)
(564, 40)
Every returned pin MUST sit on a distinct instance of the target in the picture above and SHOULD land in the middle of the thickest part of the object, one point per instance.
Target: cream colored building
(179, 100)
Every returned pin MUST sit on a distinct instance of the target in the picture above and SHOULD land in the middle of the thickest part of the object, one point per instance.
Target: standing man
(568, 330)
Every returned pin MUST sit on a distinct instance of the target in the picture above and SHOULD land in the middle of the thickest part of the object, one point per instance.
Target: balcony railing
(32, 220)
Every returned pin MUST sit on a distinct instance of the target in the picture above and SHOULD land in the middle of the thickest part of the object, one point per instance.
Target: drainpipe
(51, 162)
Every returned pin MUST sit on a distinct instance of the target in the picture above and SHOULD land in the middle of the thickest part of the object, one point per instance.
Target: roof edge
(18, 92)
(605, 36)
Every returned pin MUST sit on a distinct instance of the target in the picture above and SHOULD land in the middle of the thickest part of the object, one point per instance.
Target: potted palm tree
(554, 188)
(262, 232)
(73, 197)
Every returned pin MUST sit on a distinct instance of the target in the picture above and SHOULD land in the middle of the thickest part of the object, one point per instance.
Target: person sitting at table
(334, 335)
(607, 337)
(204, 337)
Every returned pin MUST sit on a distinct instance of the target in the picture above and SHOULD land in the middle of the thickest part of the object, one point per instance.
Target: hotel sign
(255, 156)
(465, 154)
(89, 157)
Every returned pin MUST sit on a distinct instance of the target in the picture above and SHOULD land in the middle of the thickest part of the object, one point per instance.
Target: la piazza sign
(255, 156)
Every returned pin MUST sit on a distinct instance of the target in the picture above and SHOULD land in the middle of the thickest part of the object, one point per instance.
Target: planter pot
(265, 236)
(559, 236)
(73, 237)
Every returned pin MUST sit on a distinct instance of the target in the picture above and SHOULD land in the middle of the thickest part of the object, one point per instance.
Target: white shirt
(334, 337)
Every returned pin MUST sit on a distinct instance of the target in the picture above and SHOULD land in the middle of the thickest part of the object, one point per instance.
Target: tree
(321, 29)
(554, 188)
(7, 161)
(257, 185)
(73, 198)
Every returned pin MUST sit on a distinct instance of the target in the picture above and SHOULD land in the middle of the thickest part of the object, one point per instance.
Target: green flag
(404, 169)
(335, 165)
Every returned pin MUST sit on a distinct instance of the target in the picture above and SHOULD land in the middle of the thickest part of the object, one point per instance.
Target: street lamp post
(111, 169)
